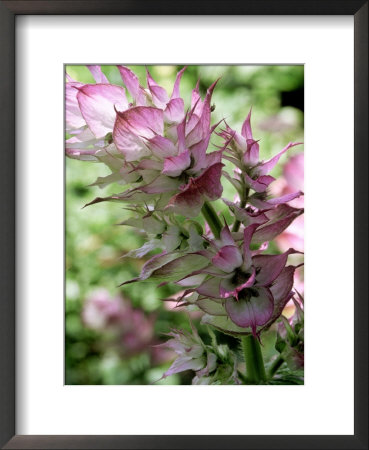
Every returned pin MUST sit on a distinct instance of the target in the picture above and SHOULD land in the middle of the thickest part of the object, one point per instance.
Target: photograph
(184, 224)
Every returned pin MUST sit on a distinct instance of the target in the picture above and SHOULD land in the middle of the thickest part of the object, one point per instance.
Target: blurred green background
(111, 332)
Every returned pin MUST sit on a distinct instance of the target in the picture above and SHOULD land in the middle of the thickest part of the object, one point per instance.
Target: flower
(212, 364)
(249, 288)
(131, 332)
(251, 173)
(150, 143)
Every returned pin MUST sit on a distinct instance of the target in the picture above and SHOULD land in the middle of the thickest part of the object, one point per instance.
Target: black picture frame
(8, 12)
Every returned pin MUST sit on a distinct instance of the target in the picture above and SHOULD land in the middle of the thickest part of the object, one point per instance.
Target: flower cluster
(212, 364)
(162, 154)
(150, 142)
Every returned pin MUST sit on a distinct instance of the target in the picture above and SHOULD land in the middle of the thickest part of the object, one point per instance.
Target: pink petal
(244, 216)
(251, 156)
(260, 184)
(283, 284)
(174, 111)
(175, 165)
(175, 93)
(181, 130)
(267, 166)
(159, 95)
(226, 236)
(73, 116)
(280, 218)
(132, 126)
(270, 266)
(162, 147)
(133, 85)
(196, 102)
(201, 129)
(228, 258)
(253, 312)
(246, 127)
(182, 364)
(98, 74)
(161, 184)
(98, 104)
(201, 159)
(206, 187)
(247, 236)
(264, 205)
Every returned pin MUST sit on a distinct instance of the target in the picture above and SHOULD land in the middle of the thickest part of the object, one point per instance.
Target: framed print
(153, 113)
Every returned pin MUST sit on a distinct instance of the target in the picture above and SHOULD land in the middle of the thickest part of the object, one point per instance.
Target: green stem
(237, 223)
(255, 371)
(212, 219)
(275, 366)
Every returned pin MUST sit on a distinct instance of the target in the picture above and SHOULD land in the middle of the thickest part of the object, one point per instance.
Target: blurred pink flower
(131, 329)
(292, 180)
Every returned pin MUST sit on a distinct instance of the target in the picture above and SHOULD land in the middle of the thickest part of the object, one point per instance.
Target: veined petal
(175, 165)
(251, 156)
(159, 94)
(253, 312)
(135, 125)
(98, 74)
(175, 93)
(244, 216)
(247, 236)
(270, 266)
(160, 184)
(264, 205)
(279, 219)
(179, 267)
(73, 116)
(181, 133)
(196, 102)
(133, 85)
(182, 363)
(202, 128)
(260, 184)
(211, 307)
(267, 166)
(283, 284)
(246, 127)
(162, 147)
(210, 288)
(228, 258)
(174, 111)
(226, 236)
(98, 104)
(206, 187)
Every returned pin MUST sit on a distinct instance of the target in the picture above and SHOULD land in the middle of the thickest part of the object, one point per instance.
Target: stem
(275, 366)
(236, 225)
(255, 370)
(212, 219)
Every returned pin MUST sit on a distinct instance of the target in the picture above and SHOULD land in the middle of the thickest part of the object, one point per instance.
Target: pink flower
(131, 330)
(293, 178)
(249, 288)
(251, 173)
(170, 161)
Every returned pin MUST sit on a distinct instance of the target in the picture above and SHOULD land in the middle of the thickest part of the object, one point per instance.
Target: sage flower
(250, 289)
